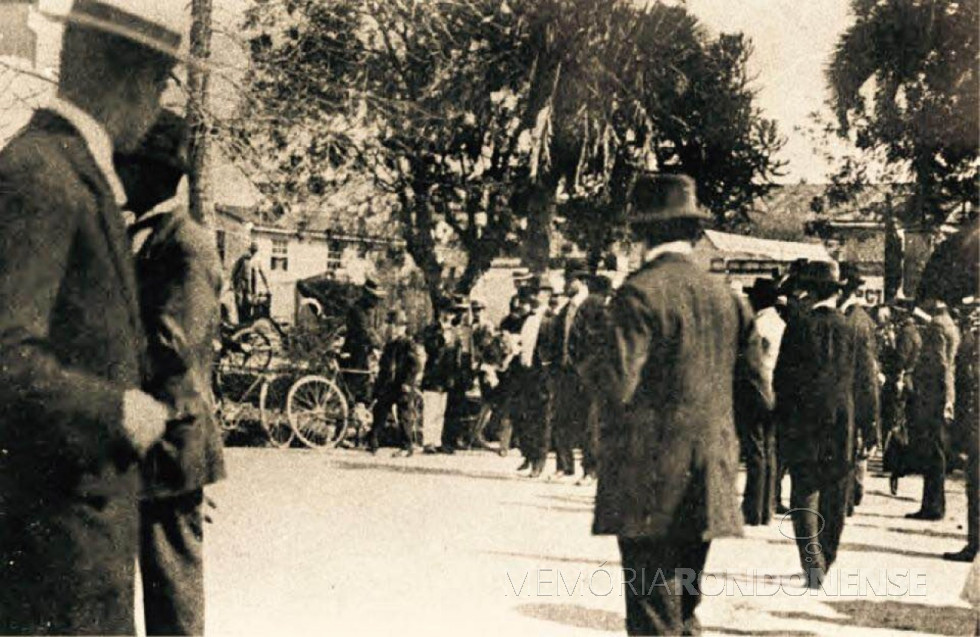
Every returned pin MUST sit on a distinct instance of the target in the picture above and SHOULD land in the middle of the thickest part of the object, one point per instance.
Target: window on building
(220, 241)
(280, 255)
(335, 250)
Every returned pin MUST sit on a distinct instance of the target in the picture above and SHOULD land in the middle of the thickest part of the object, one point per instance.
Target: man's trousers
(661, 580)
(171, 565)
(571, 414)
(819, 509)
(404, 403)
(759, 441)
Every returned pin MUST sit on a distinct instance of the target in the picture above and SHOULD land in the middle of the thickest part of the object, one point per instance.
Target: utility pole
(201, 193)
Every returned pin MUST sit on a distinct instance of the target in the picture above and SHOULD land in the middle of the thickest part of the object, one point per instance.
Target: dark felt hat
(576, 269)
(820, 273)
(658, 197)
(372, 288)
(850, 275)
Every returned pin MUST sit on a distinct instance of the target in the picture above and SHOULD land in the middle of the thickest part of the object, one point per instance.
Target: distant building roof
(784, 251)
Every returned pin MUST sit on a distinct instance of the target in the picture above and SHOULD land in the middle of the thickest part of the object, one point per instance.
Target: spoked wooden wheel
(249, 349)
(317, 412)
(272, 404)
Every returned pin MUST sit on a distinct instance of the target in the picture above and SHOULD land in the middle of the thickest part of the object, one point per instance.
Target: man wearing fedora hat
(677, 344)
(72, 348)
(867, 409)
(815, 382)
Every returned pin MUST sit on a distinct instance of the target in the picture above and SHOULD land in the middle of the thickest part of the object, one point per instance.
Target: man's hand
(144, 419)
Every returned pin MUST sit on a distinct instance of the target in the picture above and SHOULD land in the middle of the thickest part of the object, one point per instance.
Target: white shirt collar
(673, 247)
(851, 300)
(831, 303)
(579, 297)
(96, 138)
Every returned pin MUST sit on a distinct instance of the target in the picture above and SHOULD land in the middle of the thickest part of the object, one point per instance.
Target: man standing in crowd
(571, 397)
(968, 420)
(246, 276)
(759, 436)
(179, 275)
(933, 406)
(398, 383)
(677, 344)
(589, 326)
(897, 395)
(72, 347)
(816, 383)
(531, 418)
(363, 341)
(867, 397)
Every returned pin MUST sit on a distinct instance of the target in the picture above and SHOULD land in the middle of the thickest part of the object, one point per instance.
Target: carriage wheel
(317, 412)
(272, 406)
(249, 349)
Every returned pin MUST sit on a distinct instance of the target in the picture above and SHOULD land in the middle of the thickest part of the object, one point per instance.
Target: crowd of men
(665, 382)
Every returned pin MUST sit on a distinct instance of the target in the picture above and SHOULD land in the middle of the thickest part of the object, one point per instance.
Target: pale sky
(793, 42)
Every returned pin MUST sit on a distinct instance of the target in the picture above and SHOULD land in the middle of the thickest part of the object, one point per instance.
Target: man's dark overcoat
(681, 346)
(70, 344)
(179, 273)
(814, 381)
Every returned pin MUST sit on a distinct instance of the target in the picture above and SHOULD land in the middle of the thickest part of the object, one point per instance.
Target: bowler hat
(851, 275)
(576, 269)
(477, 304)
(659, 197)
(165, 144)
(159, 26)
(372, 288)
(820, 273)
(763, 289)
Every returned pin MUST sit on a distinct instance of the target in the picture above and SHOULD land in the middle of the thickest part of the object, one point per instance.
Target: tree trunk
(201, 188)
(539, 202)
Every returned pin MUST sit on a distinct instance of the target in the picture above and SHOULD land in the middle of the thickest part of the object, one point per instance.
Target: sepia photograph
(490, 317)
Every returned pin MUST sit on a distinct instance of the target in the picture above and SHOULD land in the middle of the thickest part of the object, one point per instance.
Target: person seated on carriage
(398, 385)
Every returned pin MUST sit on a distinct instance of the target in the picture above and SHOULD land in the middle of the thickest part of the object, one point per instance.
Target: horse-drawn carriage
(291, 385)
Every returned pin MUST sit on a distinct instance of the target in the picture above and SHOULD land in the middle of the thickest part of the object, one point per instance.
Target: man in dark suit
(815, 383)
(398, 385)
(571, 400)
(933, 406)
(179, 276)
(677, 345)
(867, 408)
(74, 424)
(363, 340)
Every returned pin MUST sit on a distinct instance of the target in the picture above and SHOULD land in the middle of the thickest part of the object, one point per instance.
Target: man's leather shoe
(968, 554)
(524, 465)
(893, 485)
(924, 515)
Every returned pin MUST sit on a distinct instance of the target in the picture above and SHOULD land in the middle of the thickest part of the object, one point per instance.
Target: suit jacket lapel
(110, 217)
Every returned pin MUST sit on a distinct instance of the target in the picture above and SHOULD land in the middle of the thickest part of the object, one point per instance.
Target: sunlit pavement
(343, 543)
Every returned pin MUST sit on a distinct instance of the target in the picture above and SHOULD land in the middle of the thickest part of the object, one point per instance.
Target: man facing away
(179, 276)
(933, 406)
(815, 383)
(74, 425)
(677, 344)
(398, 385)
(867, 392)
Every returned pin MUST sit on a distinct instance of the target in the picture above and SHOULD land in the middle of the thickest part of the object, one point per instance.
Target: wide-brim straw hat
(158, 25)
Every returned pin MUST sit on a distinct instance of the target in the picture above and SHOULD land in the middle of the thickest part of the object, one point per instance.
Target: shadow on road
(925, 532)
(551, 507)
(900, 498)
(575, 616)
(870, 548)
(889, 615)
(723, 630)
(557, 558)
